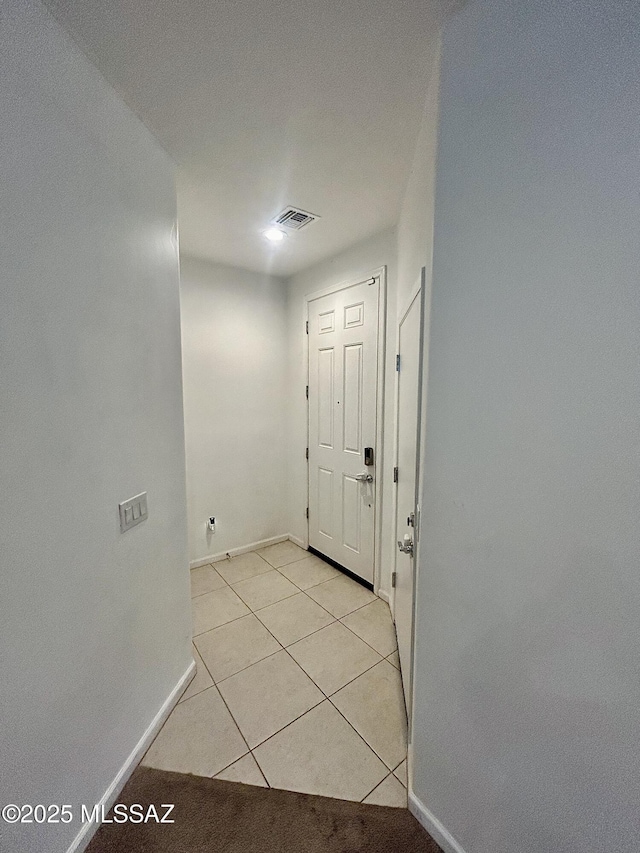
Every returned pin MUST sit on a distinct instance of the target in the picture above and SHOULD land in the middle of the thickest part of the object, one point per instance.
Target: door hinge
(398, 362)
(395, 475)
(306, 453)
(307, 392)
(307, 326)
(394, 578)
(307, 512)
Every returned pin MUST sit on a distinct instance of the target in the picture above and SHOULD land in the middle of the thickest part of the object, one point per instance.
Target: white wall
(234, 365)
(359, 260)
(415, 235)
(415, 223)
(94, 625)
(527, 715)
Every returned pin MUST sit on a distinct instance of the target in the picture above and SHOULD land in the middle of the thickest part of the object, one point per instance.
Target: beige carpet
(213, 816)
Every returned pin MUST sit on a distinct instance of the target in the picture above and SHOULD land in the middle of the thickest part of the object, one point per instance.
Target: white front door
(409, 379)
(343, 359)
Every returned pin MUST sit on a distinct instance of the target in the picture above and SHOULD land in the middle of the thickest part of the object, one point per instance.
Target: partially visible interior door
(409, 378)
(343, 366)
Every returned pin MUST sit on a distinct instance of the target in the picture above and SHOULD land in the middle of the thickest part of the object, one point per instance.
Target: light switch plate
(133, 511)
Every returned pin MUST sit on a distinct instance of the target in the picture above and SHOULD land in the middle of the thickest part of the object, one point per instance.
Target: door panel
(351, 514)
(409, 379)
(325, 397)
(352, 394)
(343, 360)
(325, 502)
(326, 322)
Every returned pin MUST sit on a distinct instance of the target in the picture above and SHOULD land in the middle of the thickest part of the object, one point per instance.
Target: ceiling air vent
(294, 218)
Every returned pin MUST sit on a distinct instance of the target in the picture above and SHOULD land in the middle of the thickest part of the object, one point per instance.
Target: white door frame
(419, 286)
(381, 274)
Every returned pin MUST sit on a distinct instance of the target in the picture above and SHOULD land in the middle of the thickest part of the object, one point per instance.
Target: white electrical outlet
(211, 524)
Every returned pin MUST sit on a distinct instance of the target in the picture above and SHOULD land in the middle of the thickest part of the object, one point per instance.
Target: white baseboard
(430, 822)
(383, 595)
(243, 549)
(297, 541)
(110, 796)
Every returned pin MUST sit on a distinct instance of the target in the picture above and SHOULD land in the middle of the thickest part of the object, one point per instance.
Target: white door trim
(381, 274)
(415, 291)
(418, 289)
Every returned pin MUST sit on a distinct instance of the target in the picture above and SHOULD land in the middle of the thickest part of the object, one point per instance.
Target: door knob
(406, 545)
(364, 478)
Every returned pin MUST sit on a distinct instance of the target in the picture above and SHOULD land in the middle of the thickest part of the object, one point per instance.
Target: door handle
(406, 545)
(364, 478)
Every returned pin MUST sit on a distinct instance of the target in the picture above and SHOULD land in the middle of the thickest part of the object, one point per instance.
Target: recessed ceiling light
(274, 234)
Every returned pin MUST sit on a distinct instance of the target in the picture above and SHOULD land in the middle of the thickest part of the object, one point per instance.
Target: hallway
(360, 277)
(297, 683)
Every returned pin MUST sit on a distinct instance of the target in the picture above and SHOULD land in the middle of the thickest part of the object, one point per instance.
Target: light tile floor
(297, 683)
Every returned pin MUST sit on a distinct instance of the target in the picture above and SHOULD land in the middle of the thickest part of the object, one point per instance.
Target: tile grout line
(285, 648)
(358, 733)
(208, 566)
(235, 619)
(329, 695)
(406, 787)
(299, 638)
(266, 605)
(245, 668)
(184, 702)
(340, 618)
(235, 722)
(286, 565)
(335, 618)
(278, 569)
(377, 786)
(328, 698)
(291, 722)
(364, 671)
(244, 755)
(209, 590)
(384, 657)
(215, 776)
(308, 711)
(260, 769)
(250, 750)
(231, 559)
(281, 649)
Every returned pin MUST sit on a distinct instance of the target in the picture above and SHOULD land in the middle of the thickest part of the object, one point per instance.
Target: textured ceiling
(314, 104)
